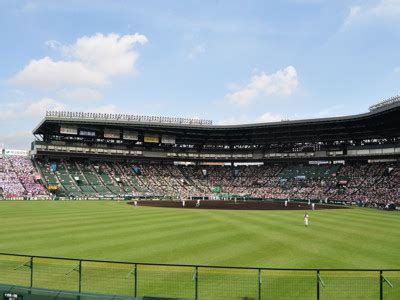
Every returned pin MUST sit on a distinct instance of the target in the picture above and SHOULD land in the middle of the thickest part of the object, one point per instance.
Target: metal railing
(384, 103)
(196, 281)
(126, 117)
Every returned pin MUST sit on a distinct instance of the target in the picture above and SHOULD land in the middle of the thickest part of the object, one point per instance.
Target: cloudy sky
(228, 61)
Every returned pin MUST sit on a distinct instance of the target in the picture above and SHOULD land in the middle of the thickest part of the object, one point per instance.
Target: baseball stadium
(119, 206)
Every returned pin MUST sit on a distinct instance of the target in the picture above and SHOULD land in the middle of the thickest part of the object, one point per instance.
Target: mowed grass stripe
(356, 238)
(81, 221)
(272, 240)
(62, 213)
(98, 231)
(112, 230)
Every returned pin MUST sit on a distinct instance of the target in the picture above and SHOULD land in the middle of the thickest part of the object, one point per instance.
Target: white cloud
(388, 10)
(47, 73)
(196, 51)
(90, 61)
(243, 97)
(269, 117)
(38, 108)
(16, 140)
(14, 111)
(53, 44)
(81, 94)
(281, 83)
(355, 13)
(244, 119)
(28, 109)
(14, 115)
(110, 55)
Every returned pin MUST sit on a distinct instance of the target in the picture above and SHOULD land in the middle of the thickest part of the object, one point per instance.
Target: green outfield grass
(110, 230)
(350, 238)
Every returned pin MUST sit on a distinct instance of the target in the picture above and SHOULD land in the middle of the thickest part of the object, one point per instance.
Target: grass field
(350, 238)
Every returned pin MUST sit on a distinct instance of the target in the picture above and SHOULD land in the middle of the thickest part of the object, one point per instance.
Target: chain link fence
(195, 282)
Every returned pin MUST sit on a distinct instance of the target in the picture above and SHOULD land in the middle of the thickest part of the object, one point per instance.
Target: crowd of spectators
(367, 184)
(19, 178)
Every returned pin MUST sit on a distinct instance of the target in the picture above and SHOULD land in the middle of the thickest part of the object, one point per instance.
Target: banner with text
(130, 135)
(112, 134)
(151, 139)
(69, 130)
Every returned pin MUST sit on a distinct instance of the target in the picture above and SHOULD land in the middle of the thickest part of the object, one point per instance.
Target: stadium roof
(380, 122)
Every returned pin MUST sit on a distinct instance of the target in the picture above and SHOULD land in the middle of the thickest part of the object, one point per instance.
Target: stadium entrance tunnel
(235, 205)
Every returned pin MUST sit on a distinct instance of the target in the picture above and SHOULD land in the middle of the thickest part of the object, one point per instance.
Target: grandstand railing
(137, 279)
(384, 103)
(126, 117)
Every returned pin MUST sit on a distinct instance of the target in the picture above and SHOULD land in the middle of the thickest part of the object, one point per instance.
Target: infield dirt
(239, 205)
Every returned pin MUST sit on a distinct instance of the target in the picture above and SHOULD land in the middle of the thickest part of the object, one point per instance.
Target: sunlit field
(110, 230)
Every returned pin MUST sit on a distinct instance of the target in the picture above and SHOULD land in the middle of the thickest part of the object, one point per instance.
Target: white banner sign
(69, 130)
(13, 152)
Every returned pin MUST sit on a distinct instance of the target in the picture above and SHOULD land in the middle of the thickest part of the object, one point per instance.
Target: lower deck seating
(355, 181)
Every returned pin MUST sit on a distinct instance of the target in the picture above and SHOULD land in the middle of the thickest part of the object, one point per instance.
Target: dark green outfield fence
(194, 281)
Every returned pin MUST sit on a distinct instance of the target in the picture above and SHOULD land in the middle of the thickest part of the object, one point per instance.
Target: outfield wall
(195, 281)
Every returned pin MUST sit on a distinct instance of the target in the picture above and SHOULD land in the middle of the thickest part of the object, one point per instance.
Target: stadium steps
(73, 170)
(129, 189)
(110, 176)
(40, 171)
(93, 180)
(110, 183)
(101, 189)
(149, 178)
(190, 180)
(73, 189)
(106, 179)
(88, 190)
(137, 185)
(48, 177)
(68, 180)
(140, 182)
(127, 183)
(81, 173)
(99, 186)
(116, 190)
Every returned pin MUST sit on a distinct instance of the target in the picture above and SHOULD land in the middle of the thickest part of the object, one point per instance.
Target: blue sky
(228, 61)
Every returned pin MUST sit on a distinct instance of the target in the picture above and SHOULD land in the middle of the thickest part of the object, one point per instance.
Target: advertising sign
(151, 139)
